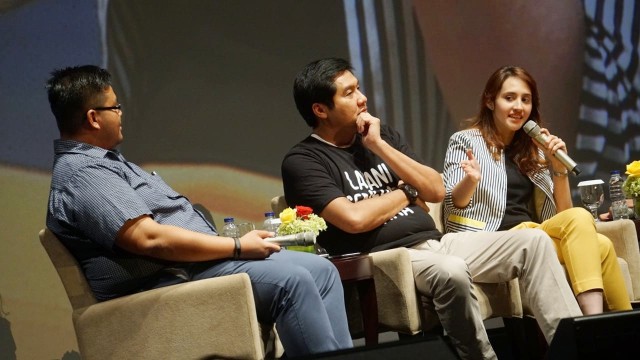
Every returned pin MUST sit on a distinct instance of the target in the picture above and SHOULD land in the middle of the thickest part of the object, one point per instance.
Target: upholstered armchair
(400, 309)
(625, 241)
(213, 318)
(624, 237)
(399, 306)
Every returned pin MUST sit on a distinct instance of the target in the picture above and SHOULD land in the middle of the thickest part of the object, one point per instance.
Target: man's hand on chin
(369, 128)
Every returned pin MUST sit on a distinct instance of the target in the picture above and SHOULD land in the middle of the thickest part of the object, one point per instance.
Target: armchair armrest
(147, 325)
(398, 308)
(625, 241)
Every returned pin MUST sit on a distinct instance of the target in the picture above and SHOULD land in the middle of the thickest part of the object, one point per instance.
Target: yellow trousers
(588, 257)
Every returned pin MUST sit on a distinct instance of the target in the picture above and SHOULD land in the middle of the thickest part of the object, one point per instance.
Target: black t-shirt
(314, 173)
(519, 192)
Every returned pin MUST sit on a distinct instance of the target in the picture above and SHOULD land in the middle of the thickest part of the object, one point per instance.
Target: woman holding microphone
(499, 178)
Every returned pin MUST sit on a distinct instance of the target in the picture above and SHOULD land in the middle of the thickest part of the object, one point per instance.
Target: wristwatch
(410, 192)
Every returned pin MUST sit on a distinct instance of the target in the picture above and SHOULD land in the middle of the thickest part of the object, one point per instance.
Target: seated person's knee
(579, 215)
(454, 271)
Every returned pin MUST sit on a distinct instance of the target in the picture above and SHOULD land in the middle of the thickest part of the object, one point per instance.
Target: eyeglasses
(116, 108)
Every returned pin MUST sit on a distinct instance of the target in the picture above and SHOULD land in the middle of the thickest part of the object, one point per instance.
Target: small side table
(358, 269)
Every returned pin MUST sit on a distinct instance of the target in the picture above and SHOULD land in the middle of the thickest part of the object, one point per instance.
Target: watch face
(410, 191)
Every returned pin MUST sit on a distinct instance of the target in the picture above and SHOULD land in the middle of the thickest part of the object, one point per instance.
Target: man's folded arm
(364, 215)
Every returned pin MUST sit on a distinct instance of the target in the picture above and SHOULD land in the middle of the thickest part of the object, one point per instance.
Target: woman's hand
(471, 167)
(554, 144)
(463, 191)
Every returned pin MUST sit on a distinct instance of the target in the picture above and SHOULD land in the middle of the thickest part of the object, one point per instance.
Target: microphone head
(531, 128)
(308, 237)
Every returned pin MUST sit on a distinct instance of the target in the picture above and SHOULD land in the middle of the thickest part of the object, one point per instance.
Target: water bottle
(230, 229)
(270, 222)
(618, 200)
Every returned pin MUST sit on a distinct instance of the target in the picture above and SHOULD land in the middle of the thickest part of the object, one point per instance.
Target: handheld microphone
(301, 239)
(532, 129)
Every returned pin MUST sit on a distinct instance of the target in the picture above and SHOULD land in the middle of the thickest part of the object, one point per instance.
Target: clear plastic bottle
(270, 222)
(230, 229)
(619, 208)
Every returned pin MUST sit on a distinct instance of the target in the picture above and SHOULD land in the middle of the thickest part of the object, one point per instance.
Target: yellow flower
(631, 185)
(634, 168)
(287, 215)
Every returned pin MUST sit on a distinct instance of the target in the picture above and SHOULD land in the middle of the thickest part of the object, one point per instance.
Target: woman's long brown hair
(525, 152)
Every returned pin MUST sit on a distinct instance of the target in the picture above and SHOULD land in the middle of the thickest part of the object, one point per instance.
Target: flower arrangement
(631, 186)
(300, 219)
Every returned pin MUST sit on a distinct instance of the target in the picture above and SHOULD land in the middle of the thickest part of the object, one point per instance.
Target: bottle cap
(615, 172)
(228, 219)
(269, 213)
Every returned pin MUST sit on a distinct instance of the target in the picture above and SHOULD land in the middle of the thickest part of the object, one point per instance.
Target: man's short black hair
(73, 91)
(315, 84)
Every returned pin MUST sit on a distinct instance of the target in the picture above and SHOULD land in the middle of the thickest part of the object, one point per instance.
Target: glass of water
(244, 228)
(592, 195)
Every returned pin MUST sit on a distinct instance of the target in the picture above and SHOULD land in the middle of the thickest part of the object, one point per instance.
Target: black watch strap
(410, 192)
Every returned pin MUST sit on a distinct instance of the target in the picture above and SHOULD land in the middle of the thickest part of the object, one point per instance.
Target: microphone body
(301, 239)
(533, 130)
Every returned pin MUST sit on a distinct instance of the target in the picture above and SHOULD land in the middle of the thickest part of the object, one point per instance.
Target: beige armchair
(400, 309)
(399, 305)
(624, 237)
(213, 318)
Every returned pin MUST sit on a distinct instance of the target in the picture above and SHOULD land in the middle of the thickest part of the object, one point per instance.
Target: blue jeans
(300, 292)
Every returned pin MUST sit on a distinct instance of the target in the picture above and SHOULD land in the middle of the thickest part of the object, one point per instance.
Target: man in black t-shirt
(369, 186)
(333, 172)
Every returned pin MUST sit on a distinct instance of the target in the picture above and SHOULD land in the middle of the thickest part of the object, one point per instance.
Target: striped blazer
(488, 203)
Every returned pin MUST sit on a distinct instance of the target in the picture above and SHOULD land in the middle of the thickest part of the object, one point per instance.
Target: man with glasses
(132, 232)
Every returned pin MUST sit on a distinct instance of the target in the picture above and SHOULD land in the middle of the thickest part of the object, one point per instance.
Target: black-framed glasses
(117, 108)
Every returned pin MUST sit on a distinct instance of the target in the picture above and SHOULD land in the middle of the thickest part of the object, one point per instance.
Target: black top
(519, 192)
(314, 173)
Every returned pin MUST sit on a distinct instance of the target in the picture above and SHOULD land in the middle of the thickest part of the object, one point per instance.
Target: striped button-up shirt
(93, 193)
(488, 204)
